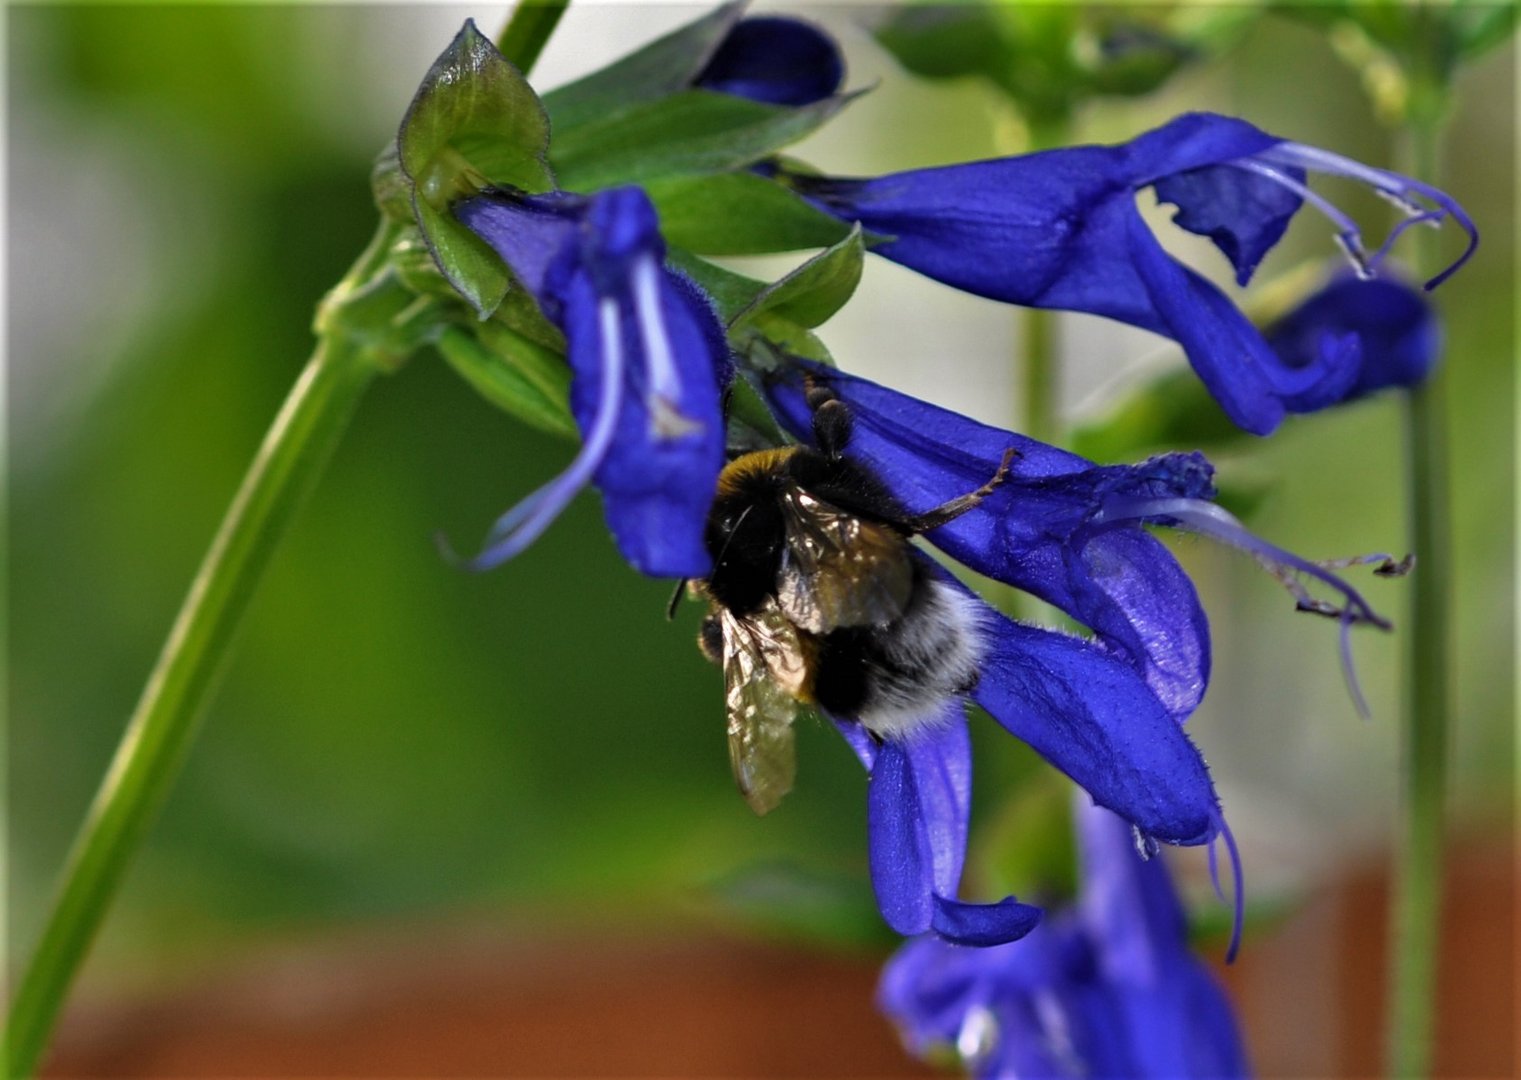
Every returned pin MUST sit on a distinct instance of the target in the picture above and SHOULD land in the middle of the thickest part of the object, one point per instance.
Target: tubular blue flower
(775, 60)
(1392, 328)
(647, 356)
(1060, 229)
(1107, 988)
(1070, 532)
(1083, 708)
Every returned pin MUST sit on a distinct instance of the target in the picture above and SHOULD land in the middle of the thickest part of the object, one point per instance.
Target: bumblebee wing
(839, 570)
(764, 671)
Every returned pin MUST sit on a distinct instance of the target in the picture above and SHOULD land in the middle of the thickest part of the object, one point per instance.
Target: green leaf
(731, 293)
(518, 376)
(661, 68)
(1173, 411)
(474, 121)
(939, 41)
(817, 289)
(694, 131)
(1480, 28)
(739, 213)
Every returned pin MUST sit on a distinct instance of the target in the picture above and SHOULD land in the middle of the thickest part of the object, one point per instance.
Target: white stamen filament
(1205, 518)
(1347, 233)
(666, 420)
(1403, 191)
(526, 522)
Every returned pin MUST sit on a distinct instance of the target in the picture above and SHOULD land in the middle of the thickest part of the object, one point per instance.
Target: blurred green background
(397, 742)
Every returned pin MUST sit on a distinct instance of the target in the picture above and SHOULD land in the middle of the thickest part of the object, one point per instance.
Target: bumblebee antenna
(675, 600)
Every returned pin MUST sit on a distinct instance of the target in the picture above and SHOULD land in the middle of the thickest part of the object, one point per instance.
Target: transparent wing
(838, 570)
(764, 672)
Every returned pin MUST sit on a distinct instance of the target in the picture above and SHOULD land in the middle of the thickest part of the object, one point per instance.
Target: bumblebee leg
(950, 511)
(710, 639)
(832, 421)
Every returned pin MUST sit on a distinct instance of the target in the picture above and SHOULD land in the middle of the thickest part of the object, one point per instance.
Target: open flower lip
(1060, 229)
(647, 355)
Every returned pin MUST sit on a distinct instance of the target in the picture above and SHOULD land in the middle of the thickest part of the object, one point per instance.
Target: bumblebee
(817, 597)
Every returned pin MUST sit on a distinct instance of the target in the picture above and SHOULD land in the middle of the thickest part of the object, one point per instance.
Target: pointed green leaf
(661, 68)
(731, 293)
(814, 291)
(474, 121)
(694, 131)
(739, 213)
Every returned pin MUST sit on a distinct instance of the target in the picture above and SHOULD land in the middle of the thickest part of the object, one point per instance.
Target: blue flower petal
(901, 871)
(647, 356)
(1031, 532)
(529, 232)
(918, 802)
(983, 925)
(1396, 331)
(1243, 213)
(1093, 717)
(775, 60)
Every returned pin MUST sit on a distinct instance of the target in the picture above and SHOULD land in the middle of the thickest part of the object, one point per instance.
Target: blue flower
(775, 60)
(1105, 989)
(1391, 327)
(1060, 229)
(647, 356)
(1085, 710)
(1070, 532)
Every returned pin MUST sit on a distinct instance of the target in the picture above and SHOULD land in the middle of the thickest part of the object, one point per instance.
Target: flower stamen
(1348, 236)
(666, 419)
(524, 523)
(1404, 192)
(1208, 519)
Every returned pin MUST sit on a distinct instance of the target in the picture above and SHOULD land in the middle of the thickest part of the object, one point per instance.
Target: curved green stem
(366, 325)
(1415, 924)
(294, 453)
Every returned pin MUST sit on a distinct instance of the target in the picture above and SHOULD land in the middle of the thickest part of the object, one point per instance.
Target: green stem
(525, 34)
(1042, 412)
(1415, 924)
(294, 453)
(350, 353)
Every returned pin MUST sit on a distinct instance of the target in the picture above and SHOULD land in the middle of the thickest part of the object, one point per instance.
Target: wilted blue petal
(647, 356)
(1396, 332)
(775, 60)
(1060, 229)
(1033, 531)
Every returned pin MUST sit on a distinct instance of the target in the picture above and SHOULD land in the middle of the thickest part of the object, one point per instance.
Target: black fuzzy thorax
(746, 532)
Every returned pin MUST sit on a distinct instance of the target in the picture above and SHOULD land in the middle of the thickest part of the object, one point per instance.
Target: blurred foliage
(395, 737)
(1051, 58)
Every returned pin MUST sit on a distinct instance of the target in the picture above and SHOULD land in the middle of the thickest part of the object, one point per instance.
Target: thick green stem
(526, 33)
(161, 729)
(1415, 924)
